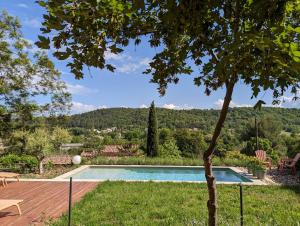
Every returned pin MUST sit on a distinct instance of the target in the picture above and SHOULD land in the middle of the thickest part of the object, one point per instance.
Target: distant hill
(238, 118)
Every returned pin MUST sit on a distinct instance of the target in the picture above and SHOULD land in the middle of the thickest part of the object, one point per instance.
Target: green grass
(139, 203)
(163, 161)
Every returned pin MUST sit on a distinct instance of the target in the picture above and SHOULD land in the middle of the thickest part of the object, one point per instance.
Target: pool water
(157, 173)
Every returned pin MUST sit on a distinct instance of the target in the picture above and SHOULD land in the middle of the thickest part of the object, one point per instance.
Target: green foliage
(26, 75)
(93, 141)
(263, 144)
(134, 135)
(20, 163)
(39, 143)
(60, 136)
(141, 160)
(183, 204)
(169, 149)
(238, 41)
(269, 127)
(17, 141)
(165, 135)
(152, 133)
(240, 120)
(190, 143)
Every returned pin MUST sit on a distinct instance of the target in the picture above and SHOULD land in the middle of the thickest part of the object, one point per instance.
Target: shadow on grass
(294, 188)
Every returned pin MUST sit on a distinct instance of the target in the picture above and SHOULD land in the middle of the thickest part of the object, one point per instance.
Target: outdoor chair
(5, 175)
(262, 156)
(289, 163)
(5, 203)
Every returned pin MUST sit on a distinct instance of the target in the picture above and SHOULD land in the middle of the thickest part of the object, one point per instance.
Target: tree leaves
(43, 43)
(263, 52)
(26, 76)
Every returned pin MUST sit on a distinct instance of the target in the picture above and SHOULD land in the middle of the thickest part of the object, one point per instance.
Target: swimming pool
(154, 173)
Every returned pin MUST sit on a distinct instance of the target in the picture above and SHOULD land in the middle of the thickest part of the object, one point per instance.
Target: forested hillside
(238, 118)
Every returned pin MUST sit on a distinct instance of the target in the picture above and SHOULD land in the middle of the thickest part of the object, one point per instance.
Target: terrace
(42, 200)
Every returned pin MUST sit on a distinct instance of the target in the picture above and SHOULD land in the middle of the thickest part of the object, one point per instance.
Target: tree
(39, 145)
(60, 136)
(268, 127)
(169, 149)
(25, 76)
(190, 143)
(18, 141)
(152, 134)
(164, 135)
(230, 41)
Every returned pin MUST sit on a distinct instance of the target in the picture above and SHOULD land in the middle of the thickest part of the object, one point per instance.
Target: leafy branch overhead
(258, 45)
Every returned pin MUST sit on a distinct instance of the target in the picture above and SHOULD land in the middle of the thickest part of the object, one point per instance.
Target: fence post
(70, 202)
(241, 205)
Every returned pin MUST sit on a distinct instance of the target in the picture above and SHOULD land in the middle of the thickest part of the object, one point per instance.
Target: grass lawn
(138, 203)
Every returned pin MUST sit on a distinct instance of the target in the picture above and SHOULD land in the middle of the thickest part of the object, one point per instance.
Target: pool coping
(237, 170)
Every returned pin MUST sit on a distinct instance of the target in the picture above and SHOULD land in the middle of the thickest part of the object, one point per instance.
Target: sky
(128, 86)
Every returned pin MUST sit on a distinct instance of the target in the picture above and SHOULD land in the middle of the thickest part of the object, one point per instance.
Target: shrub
(23, 163)
(169, 149)
(190, 143)
(263, 144)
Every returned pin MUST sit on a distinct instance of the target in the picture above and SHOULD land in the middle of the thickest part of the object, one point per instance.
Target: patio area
(43, 200)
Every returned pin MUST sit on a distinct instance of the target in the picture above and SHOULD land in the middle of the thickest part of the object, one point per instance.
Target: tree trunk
(41, 166)
(207, 158)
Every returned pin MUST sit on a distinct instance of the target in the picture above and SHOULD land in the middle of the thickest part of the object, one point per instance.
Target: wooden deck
(42, 200)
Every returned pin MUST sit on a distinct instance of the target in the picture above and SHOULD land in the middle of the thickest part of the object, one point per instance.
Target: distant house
(109, 130)
(65, 147)
(119, 150)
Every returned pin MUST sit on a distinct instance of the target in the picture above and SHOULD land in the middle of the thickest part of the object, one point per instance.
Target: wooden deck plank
(42, 200)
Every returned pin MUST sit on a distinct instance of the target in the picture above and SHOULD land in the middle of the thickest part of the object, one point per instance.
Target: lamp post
(258, 106)
(256, 131)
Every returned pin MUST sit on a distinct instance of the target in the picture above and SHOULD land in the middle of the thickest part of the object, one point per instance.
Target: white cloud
(170, 106)
(219, 104)
(177, 107)
(125, 63)
(132, 65)
(22, 5)
(143, 106)
(78, 107)
(128, 68)
(145, 61)
(108, 55)
(287, 102)
(79, 89)
(34, 23)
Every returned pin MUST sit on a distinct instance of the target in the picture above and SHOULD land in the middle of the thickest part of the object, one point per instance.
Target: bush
(23, 163)
(263, 144)
(169, 149)
(190, 143)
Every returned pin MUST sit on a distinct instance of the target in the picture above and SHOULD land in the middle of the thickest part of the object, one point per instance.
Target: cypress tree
(152, 136)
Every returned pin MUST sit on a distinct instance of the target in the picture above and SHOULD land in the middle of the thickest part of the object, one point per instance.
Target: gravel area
(283, 177)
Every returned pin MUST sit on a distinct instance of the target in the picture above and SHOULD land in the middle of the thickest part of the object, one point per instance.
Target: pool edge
(252, 181)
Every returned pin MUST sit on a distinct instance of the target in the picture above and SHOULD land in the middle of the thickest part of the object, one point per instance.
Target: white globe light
(76, 159)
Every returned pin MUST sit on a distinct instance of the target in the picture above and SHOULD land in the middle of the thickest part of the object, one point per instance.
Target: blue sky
(128, 87)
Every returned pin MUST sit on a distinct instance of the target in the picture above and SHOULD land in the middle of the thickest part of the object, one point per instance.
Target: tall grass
(162, 161)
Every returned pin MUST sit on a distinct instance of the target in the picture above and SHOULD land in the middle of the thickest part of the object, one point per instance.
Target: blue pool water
(157, 173)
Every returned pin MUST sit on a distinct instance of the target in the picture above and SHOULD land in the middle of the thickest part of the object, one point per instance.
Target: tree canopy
(25, 75)
(241, 38)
